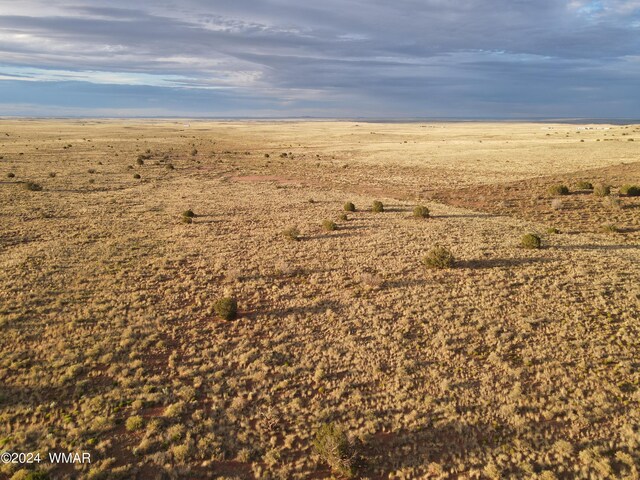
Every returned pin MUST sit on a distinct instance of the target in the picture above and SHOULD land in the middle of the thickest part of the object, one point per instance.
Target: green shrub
(584, 186)
(226, 308)
(630, 190)
(188, 213)
(349, 207)
(344, 217)
(329, 225)
(609, 228)
(421, 211)
(531, 240)
(439, 257)
(558, 190)
(552, 230)
(377, 207)
(602, 190)
(333, 446)
(292, 234)
(140, 161)
(134, 423)
(187, 220)
(136, 176)
(32, 186)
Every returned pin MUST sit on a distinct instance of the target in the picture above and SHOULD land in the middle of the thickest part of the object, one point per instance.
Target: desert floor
(515, 363)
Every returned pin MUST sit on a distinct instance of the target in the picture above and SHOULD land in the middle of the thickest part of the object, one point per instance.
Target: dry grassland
(516, 363)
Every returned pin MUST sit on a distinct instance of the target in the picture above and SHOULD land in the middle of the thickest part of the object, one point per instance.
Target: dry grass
(516, 364)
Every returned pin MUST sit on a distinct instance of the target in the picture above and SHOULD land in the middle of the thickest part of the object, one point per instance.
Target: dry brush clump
(349, 207)
(336, 449)
(329, 225)
(602, 190)
(630, 190)
(558, 189)
(420, 211)
(439, 258)
(226, 308)
(531, 241)
(377, 206)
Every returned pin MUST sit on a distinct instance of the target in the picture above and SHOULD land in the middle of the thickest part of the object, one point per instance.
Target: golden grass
(516, 363)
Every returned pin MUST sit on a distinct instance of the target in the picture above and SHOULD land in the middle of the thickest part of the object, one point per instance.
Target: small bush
(531, 240)
(11, 175)
(188, 213)
(36, 475)
(136, 176)
(558, 190)
(344, 217)
(602, 190)
(292, 234)
(134, 423)
(169, 166)
(226, 308)
(329, 225)
(187, 220)
(91, 170)
(609, 228)
(584, 186)
(349, 207)
(630, 190)
(377, 207)
(32, 186)
(333, 446)
(553, 230)
(140, 161)
(421, 211)
(439, 257)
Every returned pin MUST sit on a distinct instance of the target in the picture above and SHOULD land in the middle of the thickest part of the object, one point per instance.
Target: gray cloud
(407, 57)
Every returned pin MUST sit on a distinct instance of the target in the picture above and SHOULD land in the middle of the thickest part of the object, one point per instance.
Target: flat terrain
(515, 363)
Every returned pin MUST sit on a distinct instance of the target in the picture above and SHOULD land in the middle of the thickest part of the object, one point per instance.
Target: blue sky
(335, 58)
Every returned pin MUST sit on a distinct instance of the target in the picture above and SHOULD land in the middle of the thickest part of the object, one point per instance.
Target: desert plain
(513, 363)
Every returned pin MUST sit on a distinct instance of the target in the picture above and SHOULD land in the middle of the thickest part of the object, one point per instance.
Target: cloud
(408, 57)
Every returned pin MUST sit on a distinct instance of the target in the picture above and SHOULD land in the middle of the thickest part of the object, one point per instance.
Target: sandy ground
(514, 364)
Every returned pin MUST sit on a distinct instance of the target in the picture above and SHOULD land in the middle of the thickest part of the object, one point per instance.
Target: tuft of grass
(439, 257)
(188, 213)
(349, 207)
(329, 225)
(333, 446)
(226, 308)
(420, 211)
(136, 176)
(32, 186)
(134, 423)
(602, 190)
(584, 185)
(630, 190)
(558, 190)
(292, 234)
(530, 240)
(377, 206)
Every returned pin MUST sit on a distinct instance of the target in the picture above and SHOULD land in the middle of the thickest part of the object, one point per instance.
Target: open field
(516, 363)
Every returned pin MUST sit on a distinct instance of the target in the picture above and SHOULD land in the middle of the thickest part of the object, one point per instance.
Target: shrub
(187, 220)
(439, 257)
(32, 186)
(140, 161)
(134, 423)
(552, 230)
(329, 225)
(226, 308)
(11, 175)
(292, 234)
(349, 207)
(584, 186)
(188, 213)
(609, 228)
(344, 217)
(377, 207)
(136, 176)
(91, 170)
(333, 446)
(630, 190)
(558, 190)
(602, 190)
(530, 240)
(169, 166)
(194, 152)
(36, 475)
(421, 211)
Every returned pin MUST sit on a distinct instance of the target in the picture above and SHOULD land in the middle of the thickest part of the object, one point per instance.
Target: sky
(321, 58)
